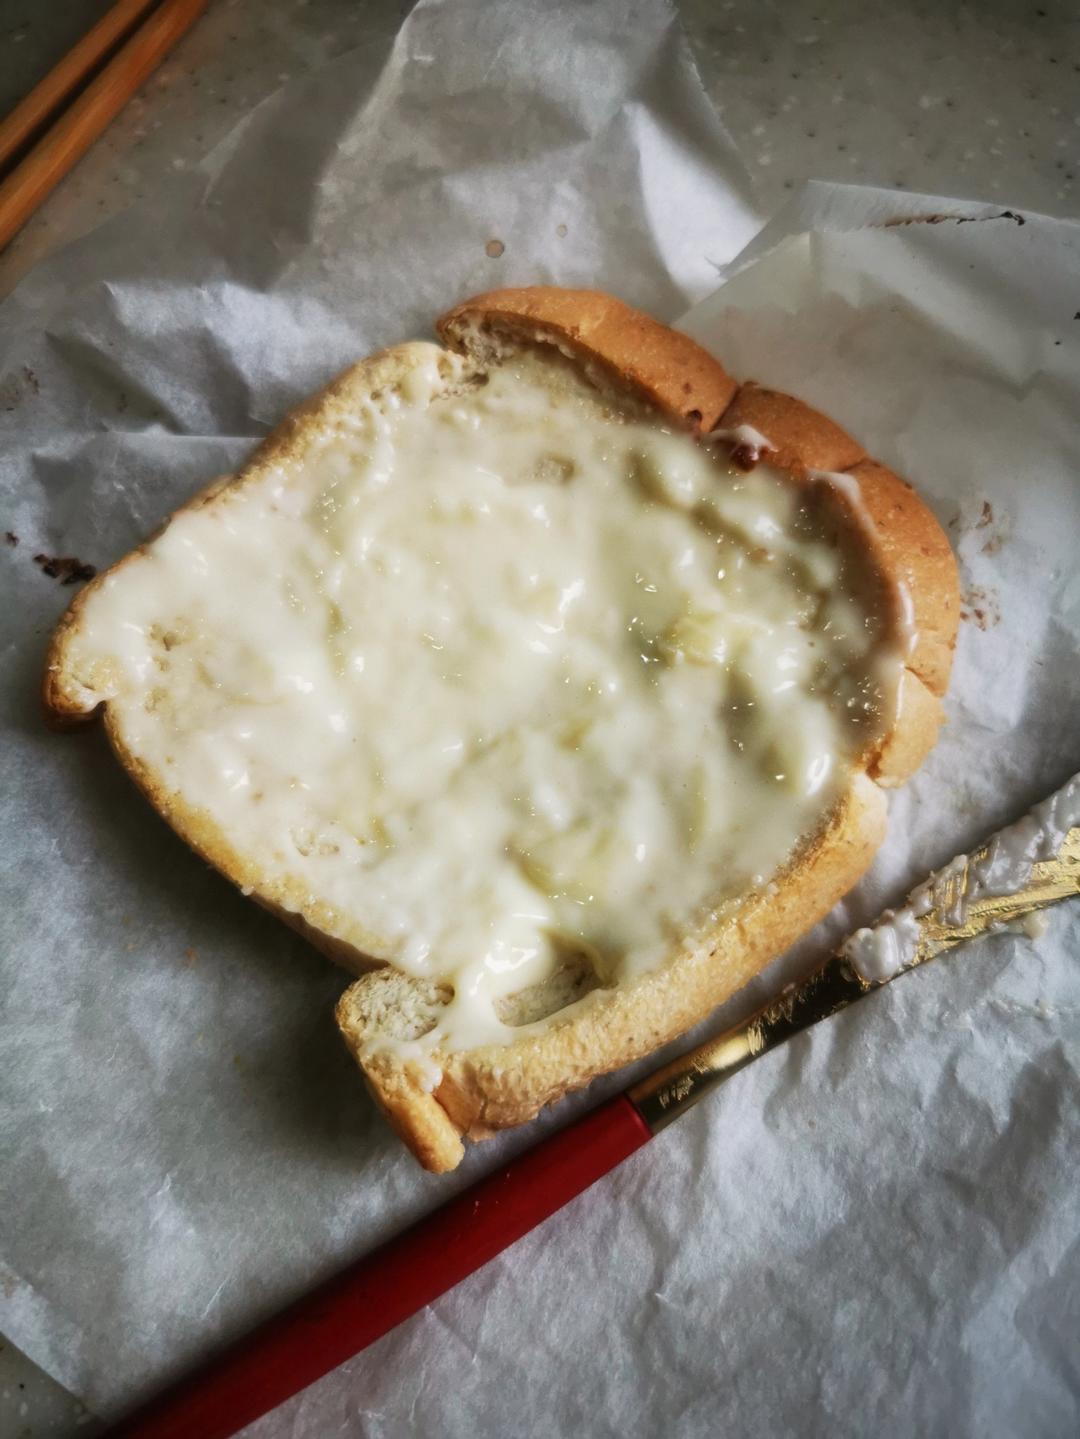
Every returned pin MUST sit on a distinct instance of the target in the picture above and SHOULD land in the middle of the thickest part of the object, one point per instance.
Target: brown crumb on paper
(66, 568)
(996, 528)
(17, 387)
(980, 607)
(560, 230)
(11, 537)
(996, 539)
(493, 249)
(190, 957)
(939, 218)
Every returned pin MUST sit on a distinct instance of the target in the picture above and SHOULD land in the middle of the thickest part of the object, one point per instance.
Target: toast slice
(337, 674)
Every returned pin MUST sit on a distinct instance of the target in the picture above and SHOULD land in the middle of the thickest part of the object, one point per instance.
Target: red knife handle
(385, 1287)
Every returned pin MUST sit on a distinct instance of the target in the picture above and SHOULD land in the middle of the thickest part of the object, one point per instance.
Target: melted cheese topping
(502, 678)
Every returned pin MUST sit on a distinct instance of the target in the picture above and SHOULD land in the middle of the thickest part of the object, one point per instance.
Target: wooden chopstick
(66, 77)
(78, 127)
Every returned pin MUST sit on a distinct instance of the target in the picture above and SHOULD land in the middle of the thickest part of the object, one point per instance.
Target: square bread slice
(548, 680)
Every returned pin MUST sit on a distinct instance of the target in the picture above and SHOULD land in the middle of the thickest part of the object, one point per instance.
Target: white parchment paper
(872, 1232)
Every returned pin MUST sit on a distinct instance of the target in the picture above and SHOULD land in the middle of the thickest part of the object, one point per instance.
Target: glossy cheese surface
(504, 676)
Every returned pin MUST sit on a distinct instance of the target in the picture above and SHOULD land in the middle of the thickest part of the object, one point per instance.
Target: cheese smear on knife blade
(508, 675)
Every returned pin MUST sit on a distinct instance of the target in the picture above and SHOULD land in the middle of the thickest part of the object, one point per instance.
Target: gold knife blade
(1009, 877)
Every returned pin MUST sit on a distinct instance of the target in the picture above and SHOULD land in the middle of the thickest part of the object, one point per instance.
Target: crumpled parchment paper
(873, 1231)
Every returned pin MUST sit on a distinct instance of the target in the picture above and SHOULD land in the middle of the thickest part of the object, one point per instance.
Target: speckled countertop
(977, 101)
(951, 98)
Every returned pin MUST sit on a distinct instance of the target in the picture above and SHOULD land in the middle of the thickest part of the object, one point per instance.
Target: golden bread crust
(911, 547)
(486, 1089)
(641, 355)
(802, 438)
